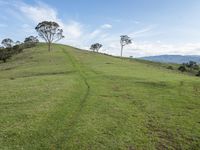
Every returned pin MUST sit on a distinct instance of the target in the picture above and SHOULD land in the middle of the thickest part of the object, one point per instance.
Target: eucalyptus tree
(49, 31)
(18, 43)
(31, 39)
(95, 47)
(7, 43)
(124, 40)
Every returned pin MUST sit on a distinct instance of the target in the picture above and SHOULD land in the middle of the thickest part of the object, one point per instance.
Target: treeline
(10, 48)
(191, 67)
(50, 32)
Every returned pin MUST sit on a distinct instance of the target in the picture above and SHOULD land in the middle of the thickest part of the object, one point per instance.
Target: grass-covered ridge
(72, 99)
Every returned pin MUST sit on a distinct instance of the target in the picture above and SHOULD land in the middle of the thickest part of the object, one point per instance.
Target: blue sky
(156, 26)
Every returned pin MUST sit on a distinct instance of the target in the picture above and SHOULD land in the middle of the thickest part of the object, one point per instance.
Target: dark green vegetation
(13, 48)
(72, 99)
(7, 53)
(190, 67)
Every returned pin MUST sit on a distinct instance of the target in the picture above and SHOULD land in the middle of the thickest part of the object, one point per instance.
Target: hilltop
(74, 99)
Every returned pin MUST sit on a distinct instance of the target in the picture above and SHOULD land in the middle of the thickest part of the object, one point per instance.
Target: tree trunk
(4, 60)
(121, 50)
(49, 46)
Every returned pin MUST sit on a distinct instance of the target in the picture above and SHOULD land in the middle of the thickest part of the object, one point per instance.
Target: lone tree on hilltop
(7, 43)
(125, 40)
(50, 32)
(96, 47)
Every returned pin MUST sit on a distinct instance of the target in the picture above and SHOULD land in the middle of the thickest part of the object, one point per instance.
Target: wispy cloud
(78, 34)
(41, 11)
(146, 31)
(38, 12)
(75, 32)
(106, 26)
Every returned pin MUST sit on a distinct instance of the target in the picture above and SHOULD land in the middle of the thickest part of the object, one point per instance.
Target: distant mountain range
(179, 59)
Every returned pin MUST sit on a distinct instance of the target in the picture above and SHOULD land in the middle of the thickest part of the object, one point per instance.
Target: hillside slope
(72, 99)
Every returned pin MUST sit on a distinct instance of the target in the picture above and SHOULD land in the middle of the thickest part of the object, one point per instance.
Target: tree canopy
(7, 43)
(31, 39)
(96, 47)
(124, 40)
(50, 31)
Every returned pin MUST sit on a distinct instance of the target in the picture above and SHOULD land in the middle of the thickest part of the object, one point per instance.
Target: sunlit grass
(72, 99)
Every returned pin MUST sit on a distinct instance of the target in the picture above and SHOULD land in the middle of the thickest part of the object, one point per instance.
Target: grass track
(76, 116)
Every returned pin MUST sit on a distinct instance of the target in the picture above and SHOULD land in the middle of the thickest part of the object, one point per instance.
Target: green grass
(72, 99)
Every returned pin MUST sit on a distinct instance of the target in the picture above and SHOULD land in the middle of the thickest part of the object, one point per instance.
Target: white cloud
(73, 30)
(146, 31)
(140, 49)
(41, 12)
(95, 33)
(106, 26)
(77, 34)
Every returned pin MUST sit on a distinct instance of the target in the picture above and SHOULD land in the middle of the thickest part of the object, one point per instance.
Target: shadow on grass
(42, 74)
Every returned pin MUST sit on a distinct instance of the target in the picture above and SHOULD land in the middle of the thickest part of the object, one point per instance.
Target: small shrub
(182, 68)
(170, 68)
(196, 67)
(198, 74)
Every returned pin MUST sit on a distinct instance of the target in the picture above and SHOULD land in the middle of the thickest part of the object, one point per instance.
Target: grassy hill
(72, 99)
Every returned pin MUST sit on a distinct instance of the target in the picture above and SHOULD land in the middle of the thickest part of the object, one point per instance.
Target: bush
(198, 74)
(170, 67)
(196, 67)
(17, 49)
(10, 50)
(30, 41)
(192, 65)
(182, 68)
(5, 54)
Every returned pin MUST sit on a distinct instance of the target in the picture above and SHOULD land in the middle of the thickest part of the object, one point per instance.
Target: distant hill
(173, 58)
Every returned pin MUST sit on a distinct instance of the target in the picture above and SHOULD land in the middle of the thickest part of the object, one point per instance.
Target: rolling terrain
(73, 99)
